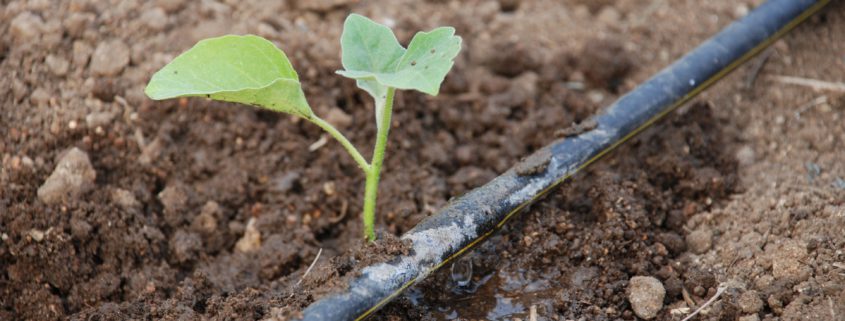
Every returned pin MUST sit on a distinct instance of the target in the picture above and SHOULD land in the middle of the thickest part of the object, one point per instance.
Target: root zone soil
(202, 210)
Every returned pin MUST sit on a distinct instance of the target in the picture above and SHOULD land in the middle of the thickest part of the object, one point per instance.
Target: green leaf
(372, 55)
(242, 69)
(368, 46)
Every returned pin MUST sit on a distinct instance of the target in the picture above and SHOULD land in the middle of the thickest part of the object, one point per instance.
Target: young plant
(251, 70)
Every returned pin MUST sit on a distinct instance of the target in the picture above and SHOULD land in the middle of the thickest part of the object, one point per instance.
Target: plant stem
(362, 163)
(371, 189)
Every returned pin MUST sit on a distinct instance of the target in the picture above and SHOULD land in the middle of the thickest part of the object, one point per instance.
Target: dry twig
(722, 288)
(813, 103)
(757, 67)
(812, 83)
(310, 266)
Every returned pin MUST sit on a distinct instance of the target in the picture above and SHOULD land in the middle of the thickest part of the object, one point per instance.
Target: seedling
(251, 70)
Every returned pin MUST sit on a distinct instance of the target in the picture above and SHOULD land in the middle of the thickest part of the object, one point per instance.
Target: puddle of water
(496, 295)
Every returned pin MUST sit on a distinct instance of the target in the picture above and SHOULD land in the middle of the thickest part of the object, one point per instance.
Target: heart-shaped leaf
(242, 69)
(372, 55)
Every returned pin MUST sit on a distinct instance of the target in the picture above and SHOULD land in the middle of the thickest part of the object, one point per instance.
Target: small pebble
(39, 96)
(699, 241)
(155, 19)
(740, 11)
(745, 155)
(110, 58)
(329, 188)
(26, 27)
(36, 235)
(646, 296)
(81, 53)
(73, 176)
(58, 65)
(750, 302)
(251, 240)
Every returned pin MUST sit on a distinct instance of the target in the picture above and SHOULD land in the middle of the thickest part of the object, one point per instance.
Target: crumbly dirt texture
(191, 209)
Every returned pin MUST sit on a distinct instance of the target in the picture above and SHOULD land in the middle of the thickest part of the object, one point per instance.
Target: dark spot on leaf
(433, 50)
(175, 72)
(413, 63)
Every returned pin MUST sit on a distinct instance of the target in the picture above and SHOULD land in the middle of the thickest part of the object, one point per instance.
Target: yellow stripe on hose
(697, 90)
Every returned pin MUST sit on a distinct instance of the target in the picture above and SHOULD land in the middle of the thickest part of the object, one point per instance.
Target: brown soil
(206, 210)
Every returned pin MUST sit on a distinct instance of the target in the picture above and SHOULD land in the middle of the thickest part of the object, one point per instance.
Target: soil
(191, 209)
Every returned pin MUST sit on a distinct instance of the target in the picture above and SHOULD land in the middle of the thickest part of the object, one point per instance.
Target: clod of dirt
(26, 26)
(752, 317)
(699, 241)
(206, 221)
(73, 176)
(468, 177)
(155, 19)
(509, 58)
(251, 240)
(750, 302)
(171, 5)
(605, 63)
(81, 54)
(124, 199)
(577, 129)
(58, 65)
(275, 256)
(110, 58)
(646, 296)
(787, 262)
(175, 199)
(185, 246)
(78, 22)
(80, 229)
(521, 92)
(534, 164)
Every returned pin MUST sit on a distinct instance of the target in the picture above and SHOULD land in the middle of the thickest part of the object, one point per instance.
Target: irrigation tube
(469, 219)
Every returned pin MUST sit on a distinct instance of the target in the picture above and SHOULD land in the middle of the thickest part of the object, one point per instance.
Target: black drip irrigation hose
(471, 218)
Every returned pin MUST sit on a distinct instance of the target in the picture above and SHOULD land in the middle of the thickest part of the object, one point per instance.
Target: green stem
(362, 163)
(371, 189)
